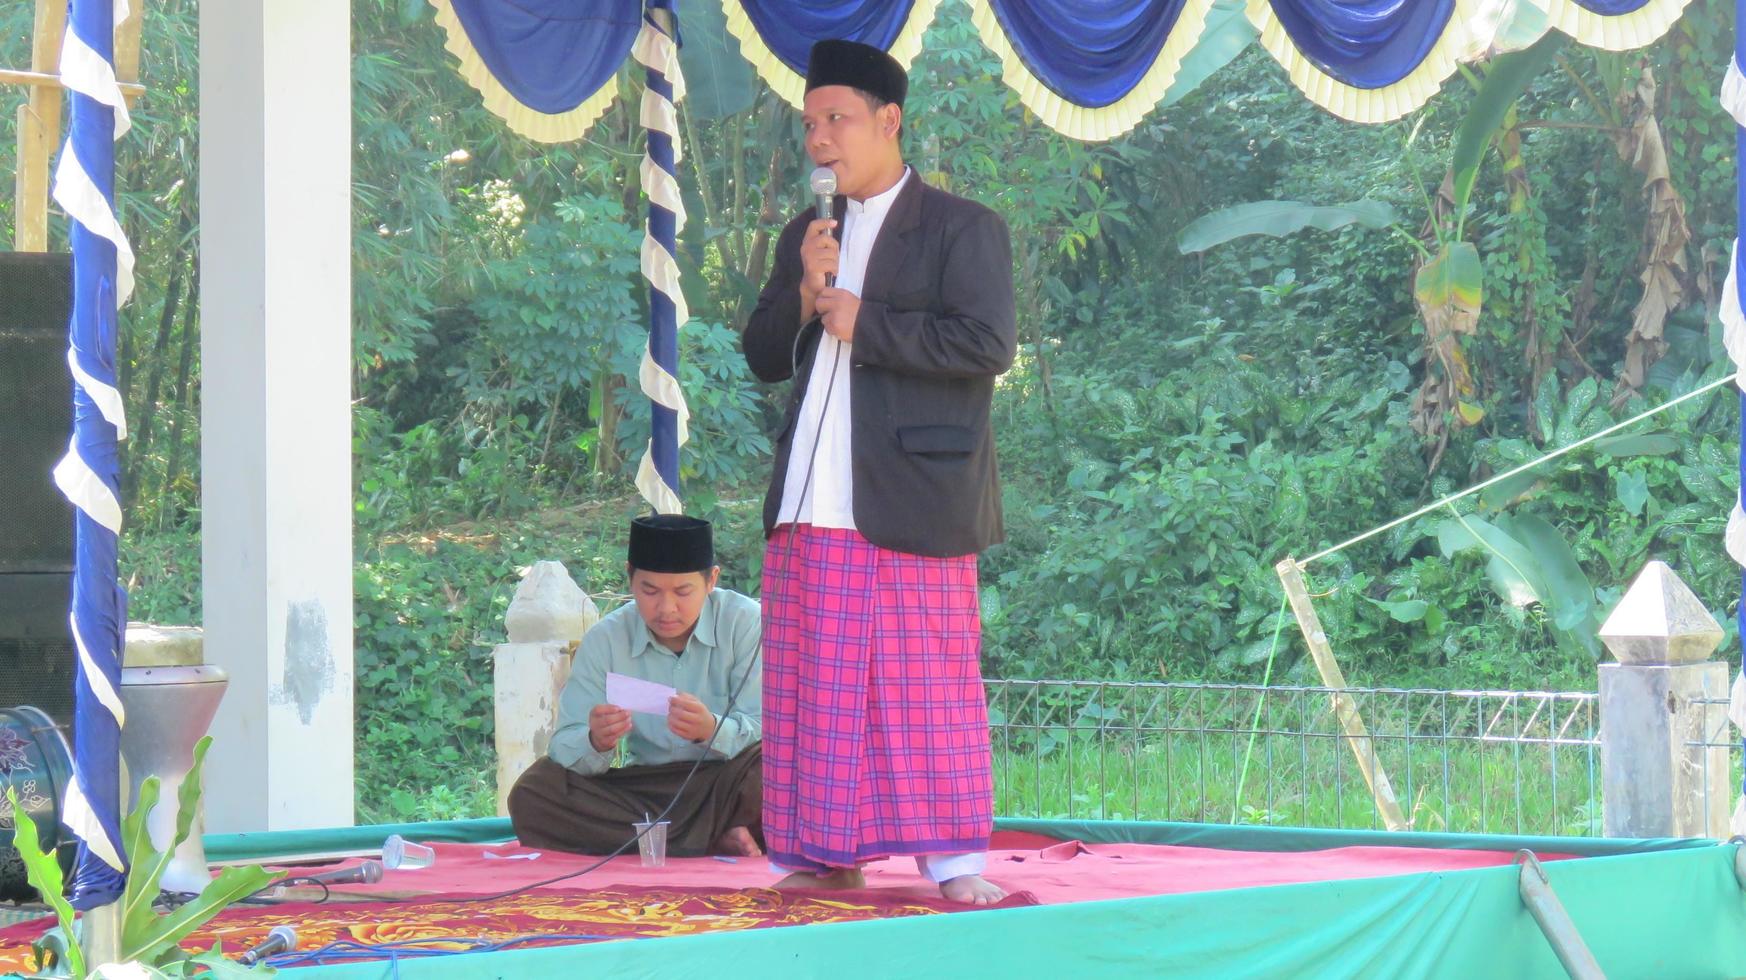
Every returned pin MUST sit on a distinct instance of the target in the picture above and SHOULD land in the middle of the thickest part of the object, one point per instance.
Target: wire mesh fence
(1520, 762)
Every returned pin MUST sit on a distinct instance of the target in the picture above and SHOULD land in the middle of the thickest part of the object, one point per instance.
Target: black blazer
(936, 327)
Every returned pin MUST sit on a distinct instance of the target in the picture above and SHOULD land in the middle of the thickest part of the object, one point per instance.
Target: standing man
(682, 632)
(894, 320)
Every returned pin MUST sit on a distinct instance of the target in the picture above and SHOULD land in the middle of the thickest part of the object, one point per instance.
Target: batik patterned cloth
(876, 729)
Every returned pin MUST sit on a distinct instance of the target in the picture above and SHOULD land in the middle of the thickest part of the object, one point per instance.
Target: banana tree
(1448, 275)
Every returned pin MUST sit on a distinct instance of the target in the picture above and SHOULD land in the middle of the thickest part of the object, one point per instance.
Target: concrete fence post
(1660, 704)
(546, 619)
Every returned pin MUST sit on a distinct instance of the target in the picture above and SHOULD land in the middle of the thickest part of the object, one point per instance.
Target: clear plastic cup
(652, 845)
(400, 854)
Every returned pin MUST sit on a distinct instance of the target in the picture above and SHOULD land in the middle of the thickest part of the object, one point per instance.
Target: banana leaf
(1278, 219)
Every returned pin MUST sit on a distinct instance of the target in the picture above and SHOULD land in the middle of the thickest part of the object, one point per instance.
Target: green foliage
(148, 937)
(1505, 81)
(43, 870)
(1174, 426)
(1278, 219)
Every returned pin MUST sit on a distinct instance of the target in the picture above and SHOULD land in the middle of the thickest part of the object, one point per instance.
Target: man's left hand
(838, 309)
(689, 719)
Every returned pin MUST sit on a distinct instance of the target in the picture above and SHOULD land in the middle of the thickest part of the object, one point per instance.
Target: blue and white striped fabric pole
(657, 49)
(90, 474)
(1734, 338)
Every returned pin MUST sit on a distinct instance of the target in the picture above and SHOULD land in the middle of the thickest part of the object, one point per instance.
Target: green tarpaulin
(1646, 909)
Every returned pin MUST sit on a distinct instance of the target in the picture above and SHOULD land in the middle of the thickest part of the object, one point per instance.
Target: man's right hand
(818, 259)
(607, 723)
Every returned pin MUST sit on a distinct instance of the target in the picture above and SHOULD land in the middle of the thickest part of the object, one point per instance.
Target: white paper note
(636, 694)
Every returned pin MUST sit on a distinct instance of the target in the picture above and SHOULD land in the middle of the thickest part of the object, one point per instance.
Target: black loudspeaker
(36, 643)
(36, 522)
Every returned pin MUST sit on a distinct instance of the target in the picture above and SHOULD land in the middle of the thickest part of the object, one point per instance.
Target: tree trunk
(142, 436)
(184, 395)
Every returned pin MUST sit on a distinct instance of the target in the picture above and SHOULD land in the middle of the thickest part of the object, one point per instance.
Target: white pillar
(275, 277)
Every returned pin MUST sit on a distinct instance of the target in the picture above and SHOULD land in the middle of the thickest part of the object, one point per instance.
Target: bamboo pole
(127, 35)
(12, 76)
(39, 129)
(1345, 709)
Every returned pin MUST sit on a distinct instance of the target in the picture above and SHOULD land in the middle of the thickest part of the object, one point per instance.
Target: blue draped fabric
(790, 27)
(1367, 44)
(551, 54)
(663, 316)
(99, 604)
(1613, 8)
(1090, 52)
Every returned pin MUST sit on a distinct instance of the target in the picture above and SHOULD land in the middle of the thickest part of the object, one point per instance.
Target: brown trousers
(554, 808)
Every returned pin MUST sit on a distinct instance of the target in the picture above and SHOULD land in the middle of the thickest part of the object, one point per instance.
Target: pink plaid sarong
(875, 724)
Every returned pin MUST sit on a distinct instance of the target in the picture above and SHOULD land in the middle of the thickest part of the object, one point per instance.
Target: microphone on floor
(282, 939)
(367, 873)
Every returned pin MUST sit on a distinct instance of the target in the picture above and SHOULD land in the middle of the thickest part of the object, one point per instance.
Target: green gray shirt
(722, 649)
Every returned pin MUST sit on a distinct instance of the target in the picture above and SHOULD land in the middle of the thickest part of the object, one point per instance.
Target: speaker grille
(36, 522)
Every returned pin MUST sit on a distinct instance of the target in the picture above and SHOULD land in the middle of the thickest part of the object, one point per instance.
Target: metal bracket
(1548, 911)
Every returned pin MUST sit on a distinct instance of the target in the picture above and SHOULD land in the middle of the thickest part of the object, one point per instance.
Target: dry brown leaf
(1665, 235)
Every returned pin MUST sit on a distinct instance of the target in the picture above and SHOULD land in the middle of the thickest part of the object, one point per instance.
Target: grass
(1306, 780)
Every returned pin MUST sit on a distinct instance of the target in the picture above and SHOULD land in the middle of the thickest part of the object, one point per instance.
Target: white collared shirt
(830, 498)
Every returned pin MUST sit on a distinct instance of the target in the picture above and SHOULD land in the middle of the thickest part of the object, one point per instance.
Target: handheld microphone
(824, 194)
(367, 873)
(282, 939)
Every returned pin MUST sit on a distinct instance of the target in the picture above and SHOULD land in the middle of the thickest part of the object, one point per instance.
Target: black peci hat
(859, 66)
(671, 543)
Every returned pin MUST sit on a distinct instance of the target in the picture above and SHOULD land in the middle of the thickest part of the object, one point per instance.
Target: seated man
(683, 632)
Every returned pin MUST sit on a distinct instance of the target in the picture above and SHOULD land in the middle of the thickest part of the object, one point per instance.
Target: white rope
(1554, 454)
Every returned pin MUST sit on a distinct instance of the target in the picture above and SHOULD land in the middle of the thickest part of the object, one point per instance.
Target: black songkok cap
(671, 543)
(859, 66)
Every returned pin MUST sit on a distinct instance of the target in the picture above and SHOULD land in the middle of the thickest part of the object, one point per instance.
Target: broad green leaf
(1227, 32)
(1453, 281)
(1632, 490)
(718, 81)
(43, 871)
(1546, 408)
(1506, 492)
(1508, 77)
(231, 885)
(1647, 444)
(1576, 408)
(222, 967)
(1404, 611)
(143, 868)
(1511, 568)
(1566, 590)
(1278, 219)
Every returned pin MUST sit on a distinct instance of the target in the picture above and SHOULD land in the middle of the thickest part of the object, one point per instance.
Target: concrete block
(527, 678)
(1657, 781)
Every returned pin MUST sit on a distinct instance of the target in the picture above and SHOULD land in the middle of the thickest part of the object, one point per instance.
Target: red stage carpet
(624, 900)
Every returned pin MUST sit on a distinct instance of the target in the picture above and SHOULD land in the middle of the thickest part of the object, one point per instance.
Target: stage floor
(624, 900)
(1089, 898)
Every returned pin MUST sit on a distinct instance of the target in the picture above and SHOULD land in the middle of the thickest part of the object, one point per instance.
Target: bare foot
(737, 841)
(972, 890)
(837, 879)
